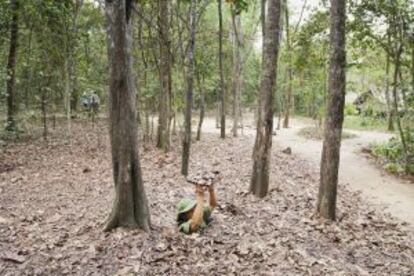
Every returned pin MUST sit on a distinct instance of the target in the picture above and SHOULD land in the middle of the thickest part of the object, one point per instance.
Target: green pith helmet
(185, 205)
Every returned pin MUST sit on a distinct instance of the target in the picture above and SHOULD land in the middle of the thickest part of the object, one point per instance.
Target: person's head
(185, 209)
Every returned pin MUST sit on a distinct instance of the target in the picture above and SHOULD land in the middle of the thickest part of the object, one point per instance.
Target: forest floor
(387, 192)
(54, 199)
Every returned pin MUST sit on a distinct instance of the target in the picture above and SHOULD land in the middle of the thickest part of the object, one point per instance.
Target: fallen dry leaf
(54, 214)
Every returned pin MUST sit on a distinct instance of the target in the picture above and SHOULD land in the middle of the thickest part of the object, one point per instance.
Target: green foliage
(316, 133)
(365, 123)
(239, 6)
(392, 150)
(47, 38)
(309, 56)
(394, 168)
(391, 154)
(350, 110)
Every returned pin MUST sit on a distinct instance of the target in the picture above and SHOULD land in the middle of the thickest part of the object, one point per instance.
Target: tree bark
(202, 106)
(237, 71)
(289, 103)
(403, 90)
(412, 68)
(163, 133)
(390, 112)
(221, 72)
(11, 67)
(263, 24)
(335, 113)
(28, 73)
(262, 149)
(67, 99)
(397, 71)
(70, 65)
(43, 107)
(130, 207)
(217, 113)
(147, 124)
(189, 96)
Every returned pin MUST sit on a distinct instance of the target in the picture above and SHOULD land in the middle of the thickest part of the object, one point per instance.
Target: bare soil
(54, 200)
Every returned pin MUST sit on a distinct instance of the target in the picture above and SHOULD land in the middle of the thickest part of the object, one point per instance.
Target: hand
(199, 190)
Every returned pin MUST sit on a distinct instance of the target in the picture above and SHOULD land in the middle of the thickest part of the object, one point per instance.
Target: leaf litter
(54, 200)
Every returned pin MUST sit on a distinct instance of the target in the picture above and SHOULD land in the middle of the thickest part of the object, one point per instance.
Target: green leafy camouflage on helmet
(185, 205)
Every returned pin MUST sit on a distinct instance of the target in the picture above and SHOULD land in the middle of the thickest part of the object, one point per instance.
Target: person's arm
(213, 200)
(197, 218)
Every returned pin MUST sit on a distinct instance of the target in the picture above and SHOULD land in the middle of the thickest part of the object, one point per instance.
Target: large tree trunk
(130, 208)
(11, 67)
(222, 88)
(262, 149)
(289, 103)
(335, 113)
(237, 71)
(163, 133)
(189, 97)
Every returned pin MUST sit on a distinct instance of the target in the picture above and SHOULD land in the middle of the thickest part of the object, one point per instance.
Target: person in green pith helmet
(193, 214)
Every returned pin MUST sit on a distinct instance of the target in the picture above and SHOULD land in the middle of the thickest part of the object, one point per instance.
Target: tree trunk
(163, 134)
(397, 69)
(289, 103)
(403, 90)
(222, 88)
(71, 85)
(147, 124)
(11, 67)
(279, 119)
(325, 93)
(43, 108)
(28, 76)
(262, 149)
(130, 207)
(67, 98)
(174, 129)
(237, 71)
(412, 68)
(189, 97)
(335, 113)
(390, 112)
(217, 109)
(152, 126)
(263, 24)
(202, 107)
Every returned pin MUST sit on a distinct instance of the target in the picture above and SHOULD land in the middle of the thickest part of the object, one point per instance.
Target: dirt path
(387, 192)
